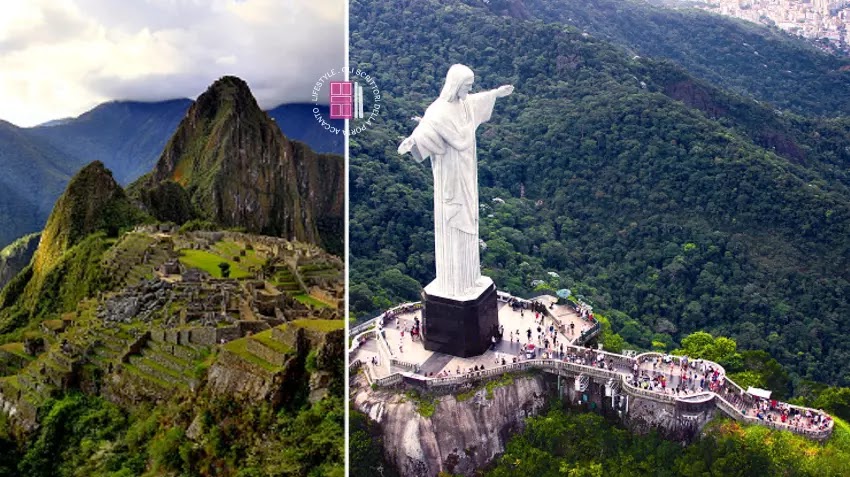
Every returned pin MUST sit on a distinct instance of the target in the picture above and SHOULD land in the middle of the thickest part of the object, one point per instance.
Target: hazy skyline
(60, 58)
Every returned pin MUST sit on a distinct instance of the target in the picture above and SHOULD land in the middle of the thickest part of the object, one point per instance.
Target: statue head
(458, 83)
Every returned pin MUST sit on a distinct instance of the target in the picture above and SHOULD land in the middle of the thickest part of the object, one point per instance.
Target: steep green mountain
(93, 201)
(16, 256)
(63, 270)
(768, 65)
(32, 175)
(671, 205)
(237, 169)
(127, 136)
(297, 122)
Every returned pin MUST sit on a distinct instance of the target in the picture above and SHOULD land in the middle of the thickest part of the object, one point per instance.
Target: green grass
(229, 248)
(240, 348)
(265, 338)
(177, 375)
(11, 382)
(53, 325)
(504, 380)
(320, 325)
(208, 262)
(178, 365)
(465, 396)
(149, 377)
(310, 300)
(16, 349)
(426, 404)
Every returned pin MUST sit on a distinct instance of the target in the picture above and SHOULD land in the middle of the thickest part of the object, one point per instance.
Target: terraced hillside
(163, 331)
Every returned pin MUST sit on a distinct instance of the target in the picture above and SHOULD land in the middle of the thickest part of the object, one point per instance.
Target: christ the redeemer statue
(446, 134)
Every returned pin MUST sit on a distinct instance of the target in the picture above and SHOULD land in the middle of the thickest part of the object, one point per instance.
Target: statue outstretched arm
(409, 145)
(503, 91)
(483, 102)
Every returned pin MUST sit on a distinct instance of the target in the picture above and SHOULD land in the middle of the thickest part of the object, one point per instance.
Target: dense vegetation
(789, 73)
(87, 436)
(586, 445)
(671, 205)
(366, 448)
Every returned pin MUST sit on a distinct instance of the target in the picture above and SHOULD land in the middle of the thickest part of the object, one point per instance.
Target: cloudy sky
(60, 58)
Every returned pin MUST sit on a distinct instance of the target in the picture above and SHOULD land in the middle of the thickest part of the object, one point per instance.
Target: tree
(225, 269)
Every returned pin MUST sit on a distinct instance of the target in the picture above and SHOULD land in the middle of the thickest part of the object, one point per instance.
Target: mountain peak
(90, 171)
(229, 162)
(92, 202)
(227, 91)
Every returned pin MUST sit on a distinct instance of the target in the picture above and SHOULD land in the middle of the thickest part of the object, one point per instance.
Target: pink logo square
(341, 99)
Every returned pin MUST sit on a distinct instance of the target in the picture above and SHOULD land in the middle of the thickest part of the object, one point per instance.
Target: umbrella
(563, 293)
(530, 346)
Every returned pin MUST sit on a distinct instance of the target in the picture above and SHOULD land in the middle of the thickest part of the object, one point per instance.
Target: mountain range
(127, 136)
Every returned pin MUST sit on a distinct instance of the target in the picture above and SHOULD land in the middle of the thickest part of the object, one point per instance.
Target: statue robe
(446, 134)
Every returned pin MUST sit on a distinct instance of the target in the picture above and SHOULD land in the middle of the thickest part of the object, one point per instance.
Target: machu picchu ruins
(170, 323)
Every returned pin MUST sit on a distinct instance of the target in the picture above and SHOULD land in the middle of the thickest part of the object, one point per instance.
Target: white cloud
(60, 58)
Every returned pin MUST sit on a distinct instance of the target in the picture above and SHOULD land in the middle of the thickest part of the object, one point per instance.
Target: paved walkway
(664, 376)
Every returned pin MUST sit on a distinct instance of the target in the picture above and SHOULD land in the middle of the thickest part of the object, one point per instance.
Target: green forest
(82, 435)
(668, 203)
(576, 444)
(791, 74)
(697, 199)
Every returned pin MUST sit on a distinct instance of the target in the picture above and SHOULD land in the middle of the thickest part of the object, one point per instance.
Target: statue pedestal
(460, 325)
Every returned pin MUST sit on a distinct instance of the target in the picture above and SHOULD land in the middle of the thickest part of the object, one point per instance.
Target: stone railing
(366, 325)
(558, 365)
(355, 343)
(390, 380)
(740, 415)
(554, 365)
(697, 398)
(636, 391)
(730, 409)
(587, 335)
(404, 364)
(416, 305)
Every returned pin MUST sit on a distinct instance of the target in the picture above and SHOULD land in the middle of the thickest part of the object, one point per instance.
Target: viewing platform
(389, 356)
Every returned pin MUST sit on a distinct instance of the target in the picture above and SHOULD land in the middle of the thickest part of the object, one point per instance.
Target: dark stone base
(460, 328)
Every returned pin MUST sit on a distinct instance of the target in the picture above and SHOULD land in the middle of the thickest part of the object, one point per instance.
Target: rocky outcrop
(231, 375)
(239, 170)
(460, 436)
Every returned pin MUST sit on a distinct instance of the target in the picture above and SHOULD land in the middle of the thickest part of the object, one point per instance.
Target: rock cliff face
(239, 170)
(460, 436)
